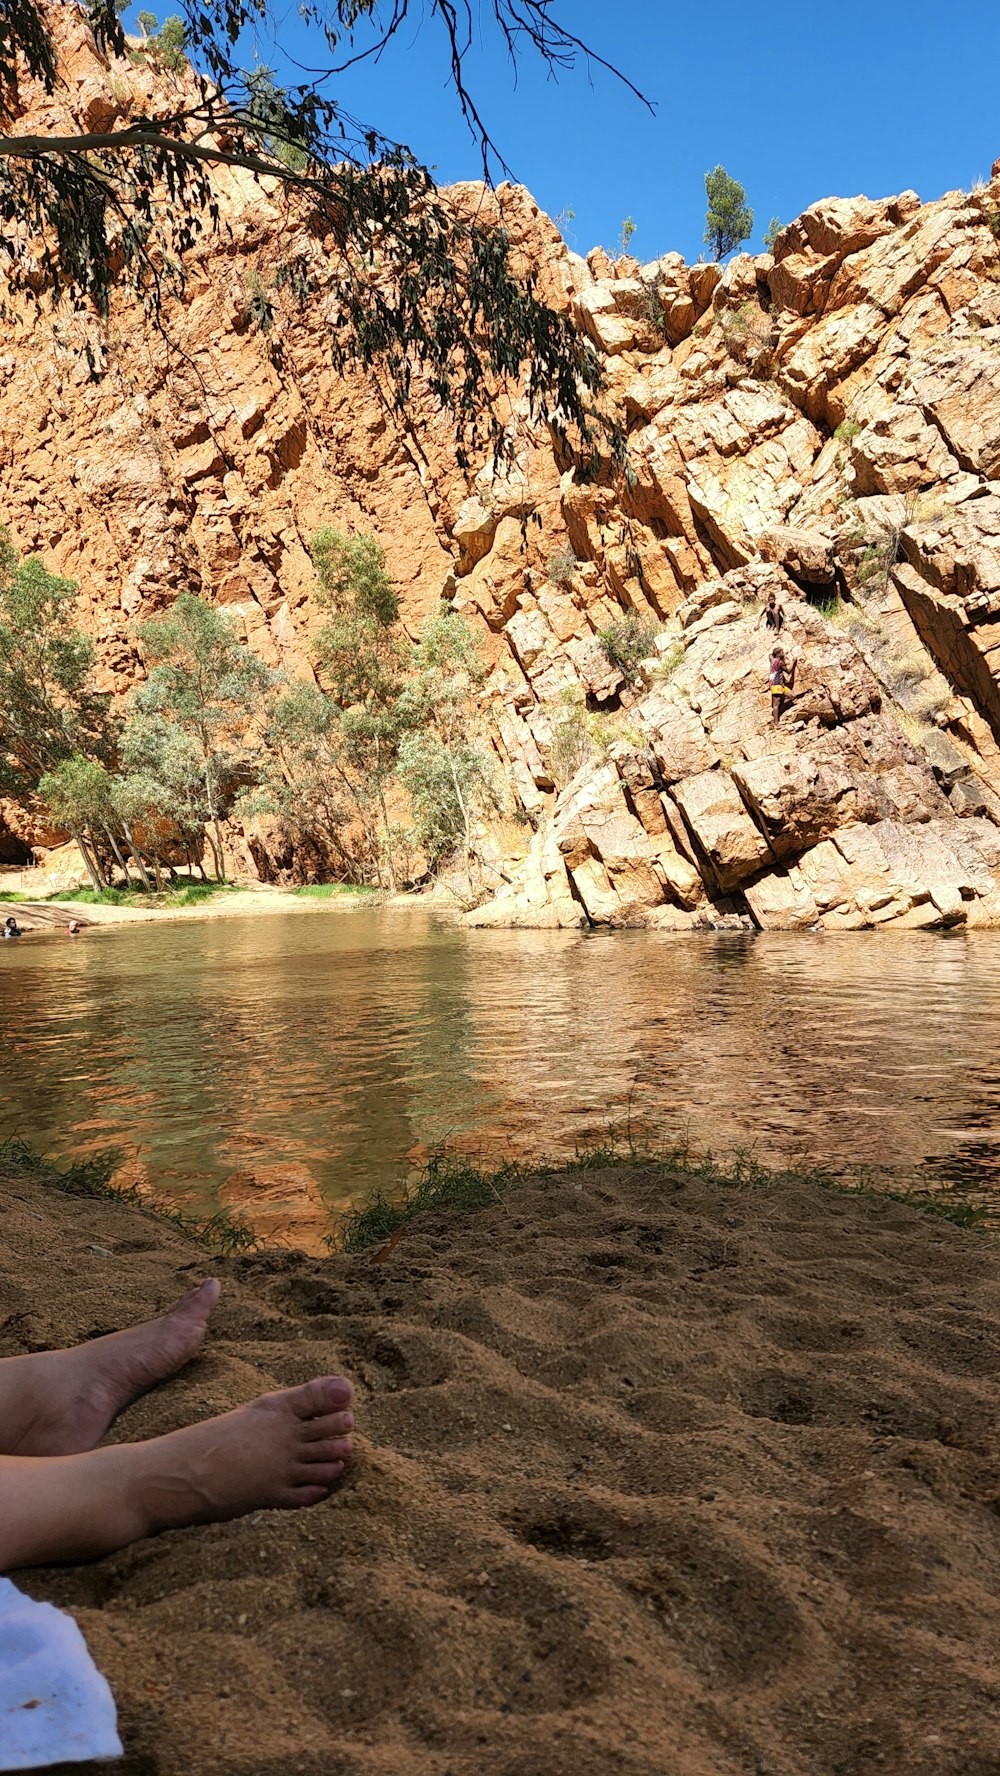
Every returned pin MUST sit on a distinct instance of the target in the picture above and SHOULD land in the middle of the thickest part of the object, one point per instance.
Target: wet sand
(653, 1477)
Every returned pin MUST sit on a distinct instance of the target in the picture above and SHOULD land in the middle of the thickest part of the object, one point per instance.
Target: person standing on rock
(781, 681)
(773, 614)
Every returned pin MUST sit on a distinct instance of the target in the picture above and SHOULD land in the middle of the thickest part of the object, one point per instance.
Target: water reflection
(292, 1062)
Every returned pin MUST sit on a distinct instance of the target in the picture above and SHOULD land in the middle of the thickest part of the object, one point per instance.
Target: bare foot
(283, 1451)
(62, 1402)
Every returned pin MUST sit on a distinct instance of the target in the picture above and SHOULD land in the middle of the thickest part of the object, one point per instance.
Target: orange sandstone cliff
(824, 423)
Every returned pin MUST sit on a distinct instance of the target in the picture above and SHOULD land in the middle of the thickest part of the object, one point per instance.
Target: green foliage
(628, 229)
(448, 784)
(94, 896)
(352, 577)
(165, 45)
(728, 218)
(446, 1184)
(627, 640)
(848, 429)
(572, 743)
(747, 333)
(272, 115)
(47, 710)
(260, 304)
(992, 220)
(672, 659)
(874, 564)
(452, 1184)
(330, 890)
(127, 206)
(223, 1233)
(188, 734)
(54, 731)
(829, 604)
(562, 567)
(444, 763)
(771, 234)
(361, 655)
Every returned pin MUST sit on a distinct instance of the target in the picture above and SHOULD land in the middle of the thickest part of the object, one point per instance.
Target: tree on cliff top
(414, 287)
(729, 218)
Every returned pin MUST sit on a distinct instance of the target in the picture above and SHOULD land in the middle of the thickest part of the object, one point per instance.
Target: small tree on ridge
(728, 218)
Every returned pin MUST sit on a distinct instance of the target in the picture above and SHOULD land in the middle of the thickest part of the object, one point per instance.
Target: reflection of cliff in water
(290, 1064)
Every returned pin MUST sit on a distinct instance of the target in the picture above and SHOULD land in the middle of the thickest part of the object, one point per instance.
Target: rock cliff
(823, 423)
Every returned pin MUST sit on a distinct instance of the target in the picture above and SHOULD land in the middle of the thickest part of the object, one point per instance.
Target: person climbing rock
(773, 614)
(63, 1498)
(781, 681)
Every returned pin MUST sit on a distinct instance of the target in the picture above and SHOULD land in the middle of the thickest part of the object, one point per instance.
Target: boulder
(721, 826)
(804, 554)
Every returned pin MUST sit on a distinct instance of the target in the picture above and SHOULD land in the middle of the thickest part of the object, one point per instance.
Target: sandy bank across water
(654, 1477)
(45, 915)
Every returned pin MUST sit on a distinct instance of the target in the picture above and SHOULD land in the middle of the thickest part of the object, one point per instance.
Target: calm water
(290, 1062)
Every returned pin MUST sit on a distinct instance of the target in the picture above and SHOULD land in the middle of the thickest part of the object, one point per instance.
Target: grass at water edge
(452, 1183)
(223, 1233)
(457, 1185)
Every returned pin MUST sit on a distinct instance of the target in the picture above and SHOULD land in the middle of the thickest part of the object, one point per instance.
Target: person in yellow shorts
(781, 682)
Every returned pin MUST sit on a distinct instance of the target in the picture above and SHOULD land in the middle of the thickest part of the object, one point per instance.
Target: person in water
(63, 1498)
(781, 680)
(11, 927)
(73, 928)
(773, 614)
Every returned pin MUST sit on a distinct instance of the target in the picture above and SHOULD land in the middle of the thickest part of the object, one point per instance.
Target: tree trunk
(465, 816)
(215, 855)
(88, 860)
(96, 855)
(220, 856)
(137, 854)
(388, 839)
(113, 842)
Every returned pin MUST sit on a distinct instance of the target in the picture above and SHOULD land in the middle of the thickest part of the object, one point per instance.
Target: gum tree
(192, 714)
(444, 763)
(409, 286)
(49, 713)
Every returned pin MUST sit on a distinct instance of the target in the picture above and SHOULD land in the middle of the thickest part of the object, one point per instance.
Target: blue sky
(798, 101)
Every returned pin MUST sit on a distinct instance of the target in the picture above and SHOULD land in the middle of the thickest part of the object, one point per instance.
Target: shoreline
(53, 915)
(650, 1468)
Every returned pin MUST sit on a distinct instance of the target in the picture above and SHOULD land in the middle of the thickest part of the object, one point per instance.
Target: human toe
(335, 1449)
(325, 1474)
(332, 1424)
(320, 1397)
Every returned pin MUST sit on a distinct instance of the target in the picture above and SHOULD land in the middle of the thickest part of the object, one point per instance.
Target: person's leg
(62, 1402)
(283, 1451)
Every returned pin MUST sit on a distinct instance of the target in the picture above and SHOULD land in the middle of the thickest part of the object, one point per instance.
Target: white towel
(55, 1707)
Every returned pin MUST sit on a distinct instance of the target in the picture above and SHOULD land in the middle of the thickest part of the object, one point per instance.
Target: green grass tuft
(446, 1184)
(457, 1184)
(222, 1233)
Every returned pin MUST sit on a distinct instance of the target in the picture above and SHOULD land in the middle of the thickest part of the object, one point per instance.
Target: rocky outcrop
(824, 422)
(710, 814)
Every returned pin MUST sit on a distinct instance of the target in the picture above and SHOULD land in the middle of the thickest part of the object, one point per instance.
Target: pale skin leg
(61, 1402)
(61, 1499)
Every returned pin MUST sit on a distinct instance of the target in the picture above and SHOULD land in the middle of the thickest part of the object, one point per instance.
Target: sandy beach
(653, 1476)
(48, 915)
